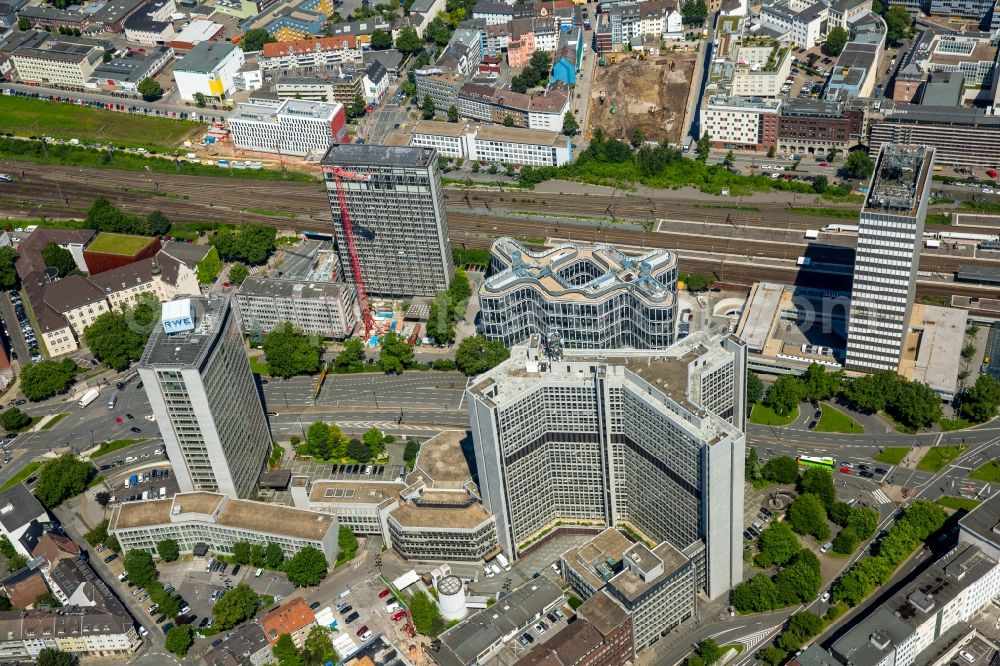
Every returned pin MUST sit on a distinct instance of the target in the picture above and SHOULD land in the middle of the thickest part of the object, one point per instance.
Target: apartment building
(742, 123)
(815, 126)
(47, 16)
(152, 24)
(339, 87)
(397, 197)
(192, 518)
(294, 618)
(547, 109)
(606, 438)
(58, 60)
(760, 71)
(88, 632)
(327, 309)
(203, 395)
(20, 513)
(208, 69)
(320, 53)
(297, 127)
(890, 235)
(803, 26)
(587, 297)
(493, 143)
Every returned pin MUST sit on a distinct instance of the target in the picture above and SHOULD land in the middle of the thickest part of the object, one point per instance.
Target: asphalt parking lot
(362, 598)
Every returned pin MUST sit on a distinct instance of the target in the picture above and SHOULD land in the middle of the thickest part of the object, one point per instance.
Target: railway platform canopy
(978, 274)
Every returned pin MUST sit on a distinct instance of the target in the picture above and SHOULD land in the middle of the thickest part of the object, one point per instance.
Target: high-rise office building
(396, 204)
(584, 296)
(649, 439)
(885, 264)
(198, 380)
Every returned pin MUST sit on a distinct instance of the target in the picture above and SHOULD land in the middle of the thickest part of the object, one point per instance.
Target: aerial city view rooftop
(500, 332)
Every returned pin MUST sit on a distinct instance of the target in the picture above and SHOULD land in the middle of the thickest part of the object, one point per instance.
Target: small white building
(151, 25)
(376, 82)
(804, 26)
(546, 110)
(208, 69)
(297, 127)
(493, 143)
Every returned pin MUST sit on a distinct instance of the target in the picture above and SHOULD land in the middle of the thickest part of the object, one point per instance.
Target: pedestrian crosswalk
(881, 497)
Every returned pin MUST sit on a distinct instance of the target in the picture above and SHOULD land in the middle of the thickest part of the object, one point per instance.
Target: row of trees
(326, 441)
(291, 352)
(475, 355)
(919, 521)
(799, 630)
(797, 582)
(306, 568)
(395, 355)
(104, 216)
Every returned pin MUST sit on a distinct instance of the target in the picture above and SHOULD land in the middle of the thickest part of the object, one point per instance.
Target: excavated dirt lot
(645, 95)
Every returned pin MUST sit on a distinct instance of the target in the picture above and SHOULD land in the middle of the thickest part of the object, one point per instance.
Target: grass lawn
(938, 457)
(948, 425)
(28, 470)
(34, 421)
(54, 420)
(731, 646)
(259, 367)
(112, 243)
(893, 455)
(109, 447)
(834, 420)
(32, 117)
(762, 415)
(988, 472)
(958, 503)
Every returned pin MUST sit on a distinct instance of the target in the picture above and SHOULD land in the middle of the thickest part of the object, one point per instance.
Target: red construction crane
(339, 174)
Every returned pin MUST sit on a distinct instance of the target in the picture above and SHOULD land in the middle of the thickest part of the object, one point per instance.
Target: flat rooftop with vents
(187, 348)
(902, 172)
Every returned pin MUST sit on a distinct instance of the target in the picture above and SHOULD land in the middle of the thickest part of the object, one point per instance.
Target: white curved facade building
(583, 296)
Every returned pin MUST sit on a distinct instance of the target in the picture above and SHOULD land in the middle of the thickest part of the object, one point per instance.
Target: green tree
(8, 272)
(836, 40)
(784, 395)
(840, 513)
(755, 388)
(914, 404)
(396, 354)
(23, 24)
(168, 550)
(5, 604)
(899, 24)
(808, 516)
(285, 652)
(289, 352)
(820, 184)
(381, 40)
(863, 521)
(317, 648)
(357, 107)
(55, 657)
(846, 541)
(166, 602)
(408, 41)
(351, 357)
(59, 258)
(317, 441)
(235, 606)
(778, 545)
(347, 544)
(114, 339)
(375, 441)
(254, 40)
(475, 354)
(452, 114)
(441, 320)
(694, 12)
(62, 478)
(410, 452)
(157, 223)
(980, 401)
(638, 136)
(273, 555)
(150, 89)
(14, 419)
(818, 482)
(250, 243)
(756, 595)
(238, 273)
(799, 581)
(16, 562)
(427, 618)
(772, 656)
(782, 469)
(428, 108)
(179, 639)
(241, 552)
(858, 164)
(140, 566)
(356, 450)
(307, 567)
(753, 469)
(871, 393)
(200, 100)
(570, 125)
(818, 384)
(209, 267)
(705, 142)
(508, 121)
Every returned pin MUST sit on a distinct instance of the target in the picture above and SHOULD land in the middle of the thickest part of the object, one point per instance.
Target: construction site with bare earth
(649, 93)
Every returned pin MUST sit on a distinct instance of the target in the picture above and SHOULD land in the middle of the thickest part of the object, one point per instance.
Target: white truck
(502, 560)
(89, 397)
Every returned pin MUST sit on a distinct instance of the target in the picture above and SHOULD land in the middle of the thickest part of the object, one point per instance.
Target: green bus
(826, 463)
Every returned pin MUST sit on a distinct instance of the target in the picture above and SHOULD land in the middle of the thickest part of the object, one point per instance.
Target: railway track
(66, 192)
